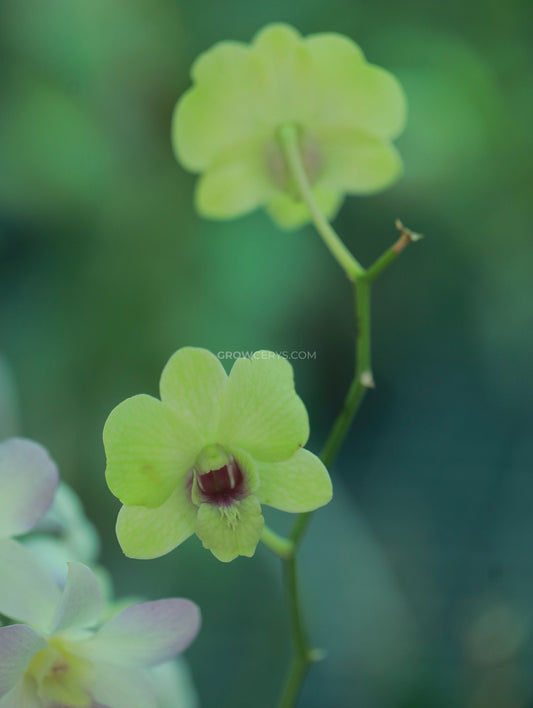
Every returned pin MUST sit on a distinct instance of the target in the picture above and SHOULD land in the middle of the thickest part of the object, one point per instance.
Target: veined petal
(146, 634)
(28, 592)
(191, 384)
(232, 531)
(220, 110)
(261, 412)
(354, 94)
(28, 480)
(289, 90)
(357, 162)
(122, 687)
(81, 604)
(18, 646)
(290, 214)
(148, 451)
(296, 485)
(236, 183)
(150, 533)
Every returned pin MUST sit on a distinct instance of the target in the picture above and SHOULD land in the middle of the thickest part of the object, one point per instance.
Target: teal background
(419, 576)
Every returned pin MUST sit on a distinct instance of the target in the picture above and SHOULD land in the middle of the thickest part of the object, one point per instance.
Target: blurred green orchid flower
(345, 111)
(207, 455)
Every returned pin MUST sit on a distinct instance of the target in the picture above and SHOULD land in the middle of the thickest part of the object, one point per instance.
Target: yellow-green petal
(296, 485)
(232, 531)
(192, 384)
(355, 94)
(261, 412)
(358, 163)
(289, 84)
(277, 43)
(147, 451)
(290, 214)
(220, 110)
(236, 183)
(150, 533)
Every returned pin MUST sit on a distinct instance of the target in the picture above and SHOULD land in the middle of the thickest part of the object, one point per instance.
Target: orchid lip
(222, 486)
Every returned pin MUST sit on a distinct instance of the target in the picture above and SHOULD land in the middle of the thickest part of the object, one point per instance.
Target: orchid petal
(212, 117)
(358, 163)
(261, 412)
(81, 603)
(150, 533)
(28, 592)
(28, 480)
(192, 384)
(18, 646)
(23, 695)
(119, 686)
(236, 183)
(230, 532)
(147, 634)
(297, 485)
(174, 685)
(290, 214)
(148, 449)
(354, 94)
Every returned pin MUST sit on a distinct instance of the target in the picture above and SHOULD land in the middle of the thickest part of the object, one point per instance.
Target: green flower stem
(363, 379)
(361, 382)
(282, 547)
(406, 237)
(333, 444)
(303, 654)
(289, 139)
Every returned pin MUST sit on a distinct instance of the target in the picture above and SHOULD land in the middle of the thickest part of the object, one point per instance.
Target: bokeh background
(419, 576)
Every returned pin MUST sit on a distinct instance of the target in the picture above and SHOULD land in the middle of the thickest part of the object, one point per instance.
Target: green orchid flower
(207, 455)
(346, 112)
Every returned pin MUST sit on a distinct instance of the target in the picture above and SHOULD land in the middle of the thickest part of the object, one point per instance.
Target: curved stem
(289, 139)
(282, 547)
(363, 379)
(333, 444)
(302, 651)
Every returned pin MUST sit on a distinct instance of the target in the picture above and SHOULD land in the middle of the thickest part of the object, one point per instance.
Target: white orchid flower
(62, 661)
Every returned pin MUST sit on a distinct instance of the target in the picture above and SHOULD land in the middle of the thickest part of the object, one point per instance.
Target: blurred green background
(419, 576)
